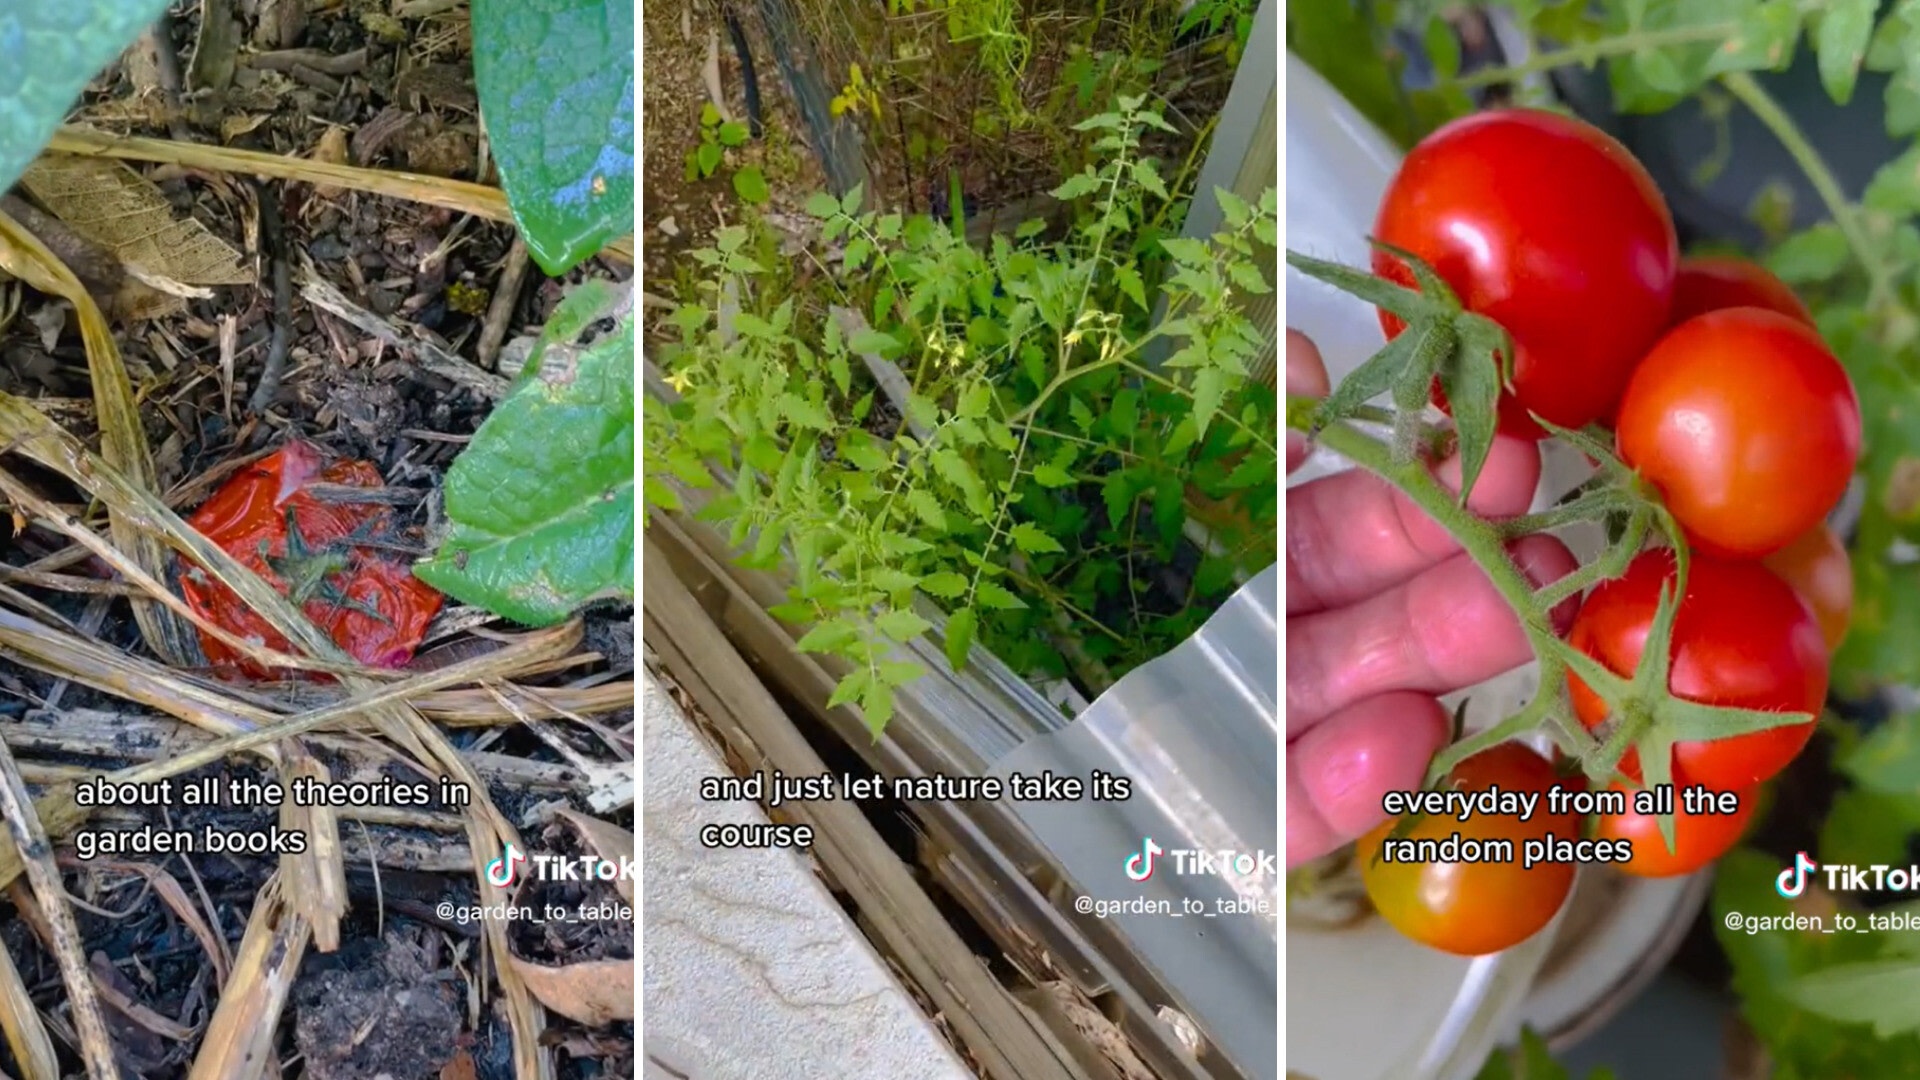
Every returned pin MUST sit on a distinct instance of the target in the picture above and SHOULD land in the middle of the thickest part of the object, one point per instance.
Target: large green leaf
(541, 502)
(48, 53)
(556, 90)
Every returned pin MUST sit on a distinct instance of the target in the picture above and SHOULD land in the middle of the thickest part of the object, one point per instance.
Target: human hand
(1384, 612)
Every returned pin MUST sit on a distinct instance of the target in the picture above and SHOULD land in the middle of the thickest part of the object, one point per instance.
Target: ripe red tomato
(1698, 839)
(1471, 909)
(1549, 227)
(1713, 282)
(1741, 639)
(1747, 425)
(1817, 567)
(268, 517)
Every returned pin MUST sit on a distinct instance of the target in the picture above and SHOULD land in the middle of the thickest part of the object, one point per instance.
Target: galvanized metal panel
(1196, 731)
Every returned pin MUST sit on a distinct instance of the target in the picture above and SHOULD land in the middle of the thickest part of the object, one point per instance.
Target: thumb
(1307, 375)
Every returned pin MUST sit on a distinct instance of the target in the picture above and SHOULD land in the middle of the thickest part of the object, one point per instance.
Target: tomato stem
(1768, 111)
(1588, 53)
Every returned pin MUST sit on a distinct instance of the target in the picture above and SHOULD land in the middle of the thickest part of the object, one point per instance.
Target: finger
(1442, 630)
(1350, 536)
(1307, 376)
(1338, 772)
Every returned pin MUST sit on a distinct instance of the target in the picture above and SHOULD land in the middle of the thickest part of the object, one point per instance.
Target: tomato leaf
(1887, 759)
(851, 688)
(1764, 40)
(997, 598)
(1879, 993)
(541, 501)
(901, 624)
(1812, 255)
(945, 585)
(1841, 34)
(961, 630)
(1867, 827)
(1033, 540)
(828, 637)
(876, 706)
(1531, 1060)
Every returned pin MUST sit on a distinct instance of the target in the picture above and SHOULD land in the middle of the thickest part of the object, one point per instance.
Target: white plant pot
(1447, 1013)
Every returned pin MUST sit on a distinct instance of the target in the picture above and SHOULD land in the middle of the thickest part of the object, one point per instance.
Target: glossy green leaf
(541, 502)
(555, 79)
(48, 54)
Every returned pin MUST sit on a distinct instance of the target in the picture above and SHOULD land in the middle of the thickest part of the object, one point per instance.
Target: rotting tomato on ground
(1698, 839)
(1741, 639)
(1748, 426)
(1716, 282)
(1472, 909)
(1549, 227)
(1817, 567)
(335, 557)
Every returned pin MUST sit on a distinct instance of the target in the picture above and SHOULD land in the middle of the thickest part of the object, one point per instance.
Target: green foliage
(1347, 45)
(1531, 1060)
(992, 27)
(48, 53)
(541, 502)
(555, 79)
(1812, 1022)
(1214, 17)
(718, 136)
(974, 431)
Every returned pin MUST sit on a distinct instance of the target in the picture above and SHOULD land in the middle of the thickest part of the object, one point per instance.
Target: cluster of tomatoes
(1721, 395)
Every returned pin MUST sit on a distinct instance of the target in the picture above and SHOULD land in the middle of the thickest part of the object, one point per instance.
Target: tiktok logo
(1140, 863)
(1793, 881)
(502, 871)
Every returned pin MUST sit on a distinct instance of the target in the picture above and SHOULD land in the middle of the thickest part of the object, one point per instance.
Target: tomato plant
(1740, 637)
(1698, 839)
(1816, 1004)
(1474, 908)
(1713, 282)
(331, 553)
(1747, 424)
(1550, 228)
(1817, 567)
